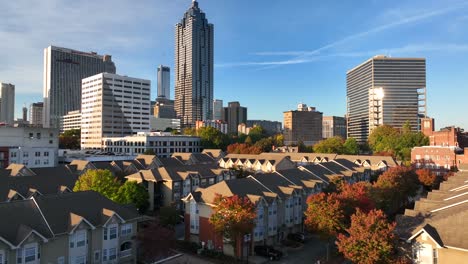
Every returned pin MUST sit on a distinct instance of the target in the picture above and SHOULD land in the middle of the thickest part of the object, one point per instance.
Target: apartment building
(113, 106)
(35, 113)
(302, 125)
(59, 229)
(34, 147)
(218, 124)
(70, 121)
(436, 226)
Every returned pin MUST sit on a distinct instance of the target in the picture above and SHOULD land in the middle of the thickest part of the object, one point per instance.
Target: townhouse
(58, 228)
(436, 226)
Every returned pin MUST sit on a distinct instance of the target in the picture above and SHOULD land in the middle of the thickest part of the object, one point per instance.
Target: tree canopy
(212, 138)
(337, 145)
(324, 215)
(70, 139)
(132, 192)
(101, 181)
(233, 217)
(370, 239)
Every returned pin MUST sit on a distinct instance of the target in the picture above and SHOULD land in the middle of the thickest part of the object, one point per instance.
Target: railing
(125, 253)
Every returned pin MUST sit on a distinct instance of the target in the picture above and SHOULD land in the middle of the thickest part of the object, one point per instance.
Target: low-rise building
(34, 147)
(271, 127)
(439, 159)
(162, 124)
(163, 144)
(302, 125)
(70, 121)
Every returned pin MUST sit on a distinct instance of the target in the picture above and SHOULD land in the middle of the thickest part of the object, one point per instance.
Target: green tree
(233, 217)
(168, 216)
(278, 140)
(257, 133)
(248, 140)
(190, 131)
(101, 181)
(212, 138)
(265, 144)
(70, 139)
(134, 193)
(370, 239)
(351, 147)
(383, 139)
(149, 152)
(330, 145)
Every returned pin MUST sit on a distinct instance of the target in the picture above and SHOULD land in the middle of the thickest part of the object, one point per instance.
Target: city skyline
(304, 51)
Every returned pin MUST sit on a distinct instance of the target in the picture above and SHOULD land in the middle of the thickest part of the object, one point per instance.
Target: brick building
(447, 136)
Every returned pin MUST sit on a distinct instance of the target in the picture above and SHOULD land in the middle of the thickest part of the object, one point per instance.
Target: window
(25, 154)
(2, 257)
(112, 253)
(38, 135)
(105, 235)
(434, 256)
(37, 154)
(112, 233)
(61, 260)
(96, 256)
(104, 255)
(80, 260)
(126, 230)
(13, 154)
(19, 255)
(46, 154)
(80, 238)
(29, 254)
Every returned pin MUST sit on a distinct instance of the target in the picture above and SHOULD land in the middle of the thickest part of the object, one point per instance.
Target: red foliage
(384, 153)
(370, 240)
(156, 241)
(356, 195)
(427, 178)
(324, 214)
(233, 216)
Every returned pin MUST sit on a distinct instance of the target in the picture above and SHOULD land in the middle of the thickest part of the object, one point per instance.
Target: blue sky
(269, 55)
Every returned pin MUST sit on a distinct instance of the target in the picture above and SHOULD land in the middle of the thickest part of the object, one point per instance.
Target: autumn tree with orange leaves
(233, 217)
(324, 215)
(427, 178)
(370, 239)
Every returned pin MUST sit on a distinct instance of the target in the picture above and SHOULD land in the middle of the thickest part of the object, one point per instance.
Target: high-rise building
(113, 106)
(302, 125)
(25, 114)
(270, 127)
(35, 114)
(164, 108)
(7, 103)
(194, 67)
(70, 121)
(63, 71)
(333, 126)
(164, 81)
(234, 114)
(384, 90)
(217, 109)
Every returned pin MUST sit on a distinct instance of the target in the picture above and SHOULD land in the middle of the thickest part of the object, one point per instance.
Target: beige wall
(445, 255)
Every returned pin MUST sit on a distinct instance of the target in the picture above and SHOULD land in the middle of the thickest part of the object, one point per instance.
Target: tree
(355, 196)
(427, 178)
(351, 147)
(134, 193)
(265, 144)
(393, 188)
(243, 148)
(383, 138)
(190, 131)
(324, 215)
(212, 138)
(70, 139)
(101, 181)
(233, 217)
(370, 238)
(168, 216)
(278, 140)
(149, 152)
(156, 241)
(330, 145)
(257, 133)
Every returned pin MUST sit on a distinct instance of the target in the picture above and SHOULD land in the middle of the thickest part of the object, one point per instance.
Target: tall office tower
(113, 106)
(194, 67)
(35, 113)
(164, 108)
(25, 113)
(302, 125)
(164, 80)
(217, 109)
(384, 90)
(234, 114)
(333, 126)
(7, 103)
(63, 71)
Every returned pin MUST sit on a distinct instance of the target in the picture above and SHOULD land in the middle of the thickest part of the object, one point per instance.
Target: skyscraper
(234, 114)
(35, 113)
(334, 126)
(63, 71)
(164, 80)
(194, 67)
(25, 113)
(384, 90)
(217, 109)
(7, 103)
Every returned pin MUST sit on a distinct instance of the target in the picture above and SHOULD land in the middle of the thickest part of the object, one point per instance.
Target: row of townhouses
(278, 186)
(436, 226)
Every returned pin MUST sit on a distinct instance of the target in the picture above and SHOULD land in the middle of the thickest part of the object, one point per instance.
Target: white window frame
(61, 260)
(80, 237)
(80, 260)
(112, 256)
(113, 230)
(32, 248)
(2, 257)
(104, 254)
(126, 230)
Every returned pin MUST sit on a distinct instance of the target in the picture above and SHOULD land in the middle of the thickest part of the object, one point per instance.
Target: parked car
(298, 237)
(269, 252)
